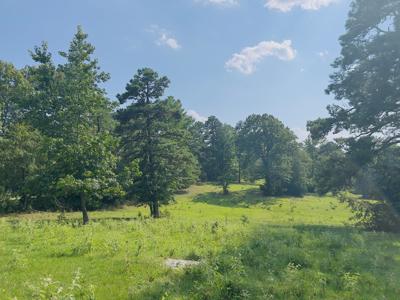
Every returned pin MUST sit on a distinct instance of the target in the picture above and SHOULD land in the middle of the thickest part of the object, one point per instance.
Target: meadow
(248, 246)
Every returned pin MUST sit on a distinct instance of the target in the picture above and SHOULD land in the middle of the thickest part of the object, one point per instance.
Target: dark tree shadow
(243, 198)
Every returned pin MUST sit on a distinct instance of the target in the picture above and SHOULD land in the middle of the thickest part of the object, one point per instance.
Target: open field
(250, 247)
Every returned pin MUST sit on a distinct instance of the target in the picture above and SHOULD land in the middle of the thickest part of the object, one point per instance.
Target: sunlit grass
(252, 247)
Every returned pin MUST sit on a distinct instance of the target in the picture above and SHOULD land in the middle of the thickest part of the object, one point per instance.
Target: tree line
(64, 145)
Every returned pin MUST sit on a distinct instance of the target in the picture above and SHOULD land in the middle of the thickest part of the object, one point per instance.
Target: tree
(366, 84)
(300, 180)
(197, 146)
(378, 180)
(86, 173)
(84, 139)
(155, 133)
(367, 78)
(21, 160)
(227, 157)
(87, 107)
(220, 161)
(14, 88)
(329, 165)
(44, 108)
(387, 175)
(70, 109)
(310, 146)
(332, 169)
(211, 131)
(249, 165)
(240, 152)
(266, 138)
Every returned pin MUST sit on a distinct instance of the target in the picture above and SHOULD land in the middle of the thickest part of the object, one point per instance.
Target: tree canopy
(266, 138)
(366, 81)
(154, 132)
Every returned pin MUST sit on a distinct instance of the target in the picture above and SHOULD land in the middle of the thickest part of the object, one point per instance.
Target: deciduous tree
(266, 138)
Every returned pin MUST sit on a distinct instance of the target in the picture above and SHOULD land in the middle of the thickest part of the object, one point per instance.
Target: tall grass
(250, 247)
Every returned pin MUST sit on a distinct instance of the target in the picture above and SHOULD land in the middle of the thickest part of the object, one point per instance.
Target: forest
(82, 172)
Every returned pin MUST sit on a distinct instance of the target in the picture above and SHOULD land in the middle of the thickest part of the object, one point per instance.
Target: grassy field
(249, 246)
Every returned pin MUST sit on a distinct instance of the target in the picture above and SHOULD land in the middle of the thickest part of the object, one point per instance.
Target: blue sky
(228, 58)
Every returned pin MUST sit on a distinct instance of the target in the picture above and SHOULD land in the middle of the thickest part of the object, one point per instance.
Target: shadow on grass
(243, 198)
(302, 262)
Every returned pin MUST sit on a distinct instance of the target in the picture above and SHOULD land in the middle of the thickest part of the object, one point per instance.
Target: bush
(8, 203)
(373, 215)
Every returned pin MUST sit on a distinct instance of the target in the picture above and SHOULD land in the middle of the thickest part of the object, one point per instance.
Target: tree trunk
(24, 197)
(239, 173)
(225, 188)
(25, 203)
(154, 208)
(151, 208)
(84, 210)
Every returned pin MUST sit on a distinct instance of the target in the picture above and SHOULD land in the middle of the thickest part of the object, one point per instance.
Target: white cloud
(195, 115)
(220, 2)
(323, 54)
(164, 38)
(249, 57)
(287, 5)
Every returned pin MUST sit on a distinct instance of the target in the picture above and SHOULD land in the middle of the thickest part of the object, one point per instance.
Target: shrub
(54, 290)
(8, 202)
(372, 215)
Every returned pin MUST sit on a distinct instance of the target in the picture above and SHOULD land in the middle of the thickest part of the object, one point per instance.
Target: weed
(245, 220)
(49, 289)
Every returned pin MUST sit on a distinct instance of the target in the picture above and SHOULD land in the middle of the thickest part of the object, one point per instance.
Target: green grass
(251, 247)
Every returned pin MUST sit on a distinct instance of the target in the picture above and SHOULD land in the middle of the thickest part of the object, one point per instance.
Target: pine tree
(154, 132)
(72, 111)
